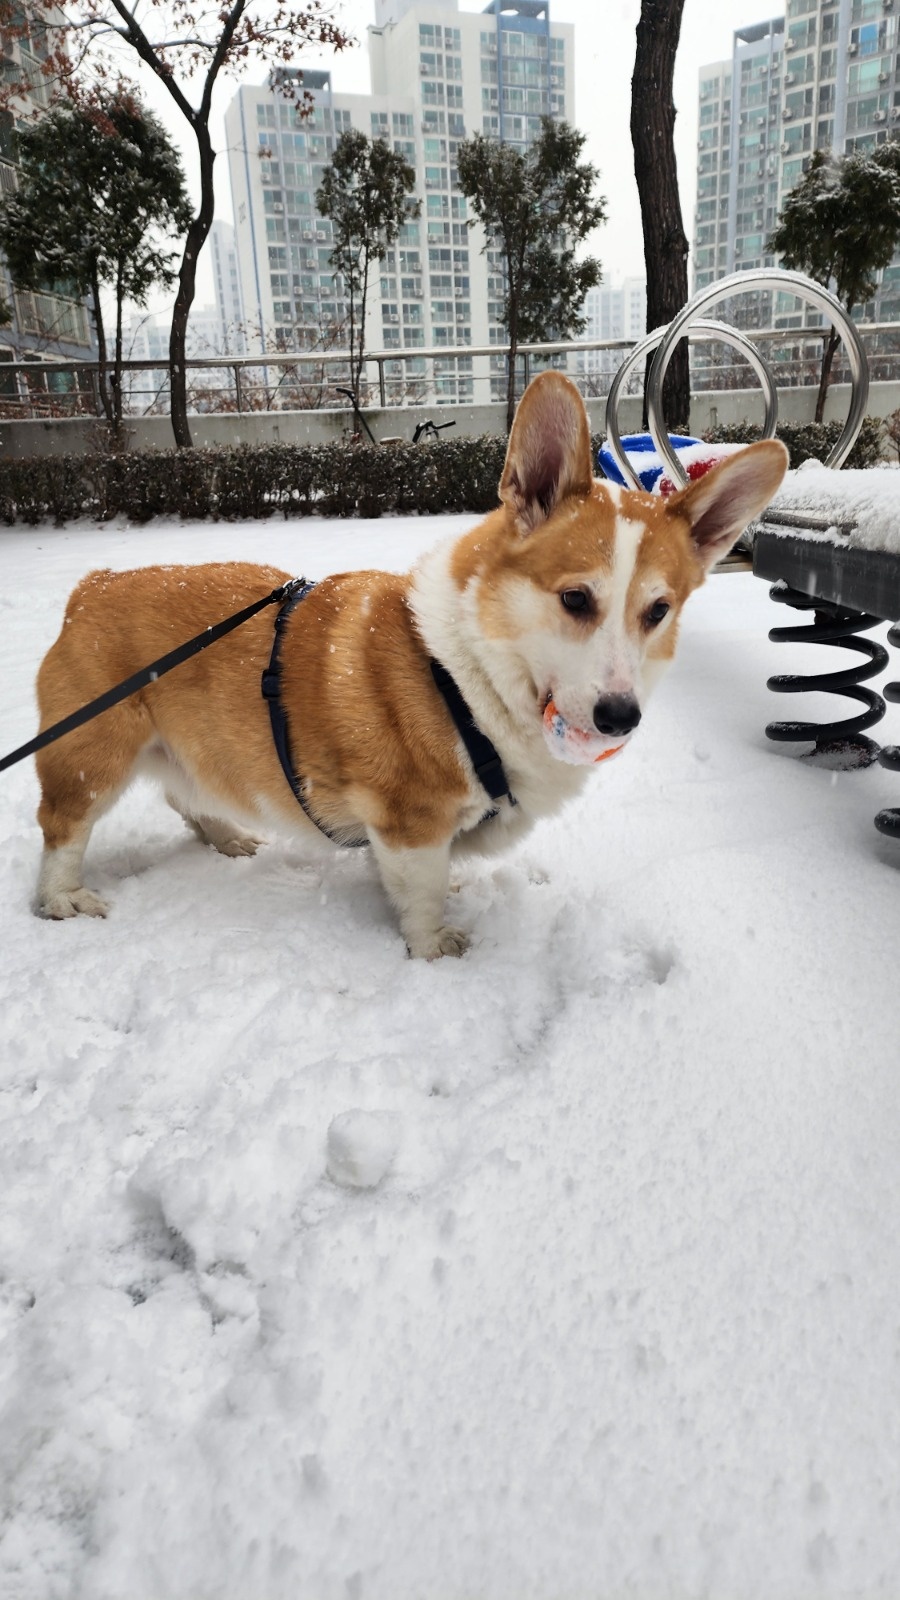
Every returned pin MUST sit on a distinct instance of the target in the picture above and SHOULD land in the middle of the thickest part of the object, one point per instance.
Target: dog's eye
(658, 610)
(574, 599)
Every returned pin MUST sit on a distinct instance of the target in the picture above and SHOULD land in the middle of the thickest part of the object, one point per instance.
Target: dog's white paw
(237, 847)
(72, 903)
(443, 942)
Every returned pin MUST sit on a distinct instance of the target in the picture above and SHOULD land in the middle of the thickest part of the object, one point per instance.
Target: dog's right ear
(549, 454)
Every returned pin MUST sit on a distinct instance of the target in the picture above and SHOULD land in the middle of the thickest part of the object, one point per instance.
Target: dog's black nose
(616, 714)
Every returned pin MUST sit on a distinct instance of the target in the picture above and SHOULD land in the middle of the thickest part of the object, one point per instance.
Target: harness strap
(271, 688)
(139, 680)
(483, 754)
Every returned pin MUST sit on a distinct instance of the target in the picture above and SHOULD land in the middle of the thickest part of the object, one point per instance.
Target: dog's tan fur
(371, 735)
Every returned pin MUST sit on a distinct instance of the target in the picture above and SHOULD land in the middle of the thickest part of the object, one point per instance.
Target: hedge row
(807, 440)
(331, 480)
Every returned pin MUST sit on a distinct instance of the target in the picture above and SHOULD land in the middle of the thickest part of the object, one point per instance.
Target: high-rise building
(824, 76)
(230, 334)
(613, 311)
(438, 75)
(44, 327)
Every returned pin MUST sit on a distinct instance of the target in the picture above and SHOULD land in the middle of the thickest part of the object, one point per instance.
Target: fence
(441, 376)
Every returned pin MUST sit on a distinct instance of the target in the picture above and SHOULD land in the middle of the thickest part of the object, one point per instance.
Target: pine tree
(364, 193)
(100, 193)
(536, 207)
(840, 224)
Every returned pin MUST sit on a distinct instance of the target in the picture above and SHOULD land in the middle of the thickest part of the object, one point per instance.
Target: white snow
(620, 1316)
(869, 498)
(361, 1147)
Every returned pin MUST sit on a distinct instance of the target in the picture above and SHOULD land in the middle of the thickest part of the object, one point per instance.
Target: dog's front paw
(72, 903)
(245, 845)
(443, 942)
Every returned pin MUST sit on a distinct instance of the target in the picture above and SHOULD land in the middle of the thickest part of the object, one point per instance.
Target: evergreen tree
(840, 224)
(100, 188)
(536, 206)
(365, 195)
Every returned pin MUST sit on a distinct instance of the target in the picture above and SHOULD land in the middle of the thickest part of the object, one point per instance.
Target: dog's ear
(549, 454)
(721, 503)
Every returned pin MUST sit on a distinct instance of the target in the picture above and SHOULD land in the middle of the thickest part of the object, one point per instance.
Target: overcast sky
(604, 59)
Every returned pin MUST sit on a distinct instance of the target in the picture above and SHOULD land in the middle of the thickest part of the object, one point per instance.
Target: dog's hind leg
(224, 836)
(81, 776)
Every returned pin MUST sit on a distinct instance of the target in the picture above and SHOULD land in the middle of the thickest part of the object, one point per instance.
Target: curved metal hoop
(705, 333)
(776, 278)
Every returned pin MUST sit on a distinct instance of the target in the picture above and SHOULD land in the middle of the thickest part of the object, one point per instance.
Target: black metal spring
(837, 626)
(889, 821)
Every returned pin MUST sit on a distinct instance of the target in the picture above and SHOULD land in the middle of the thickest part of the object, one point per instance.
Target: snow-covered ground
(622, 1316)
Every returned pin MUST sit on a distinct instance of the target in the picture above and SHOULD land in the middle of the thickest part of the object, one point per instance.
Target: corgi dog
(553, 618)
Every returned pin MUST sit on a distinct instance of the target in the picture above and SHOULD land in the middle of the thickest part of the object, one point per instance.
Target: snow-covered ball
(361, 1147)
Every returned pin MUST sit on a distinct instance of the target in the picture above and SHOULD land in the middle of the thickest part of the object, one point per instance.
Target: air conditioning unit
(785, 149)
(884, 77)
(277, 205)
(852, 49)
(320, 234)
(790, 44)
(895, 114)
(786, 114)
(392, 318)
(789, 78)
(880, 116)
(760, 122)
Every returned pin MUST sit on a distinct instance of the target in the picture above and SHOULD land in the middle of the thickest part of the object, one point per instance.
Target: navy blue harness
(483, 754)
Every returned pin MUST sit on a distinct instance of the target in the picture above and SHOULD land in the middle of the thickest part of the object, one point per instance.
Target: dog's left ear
(721, 503)
(549, 454)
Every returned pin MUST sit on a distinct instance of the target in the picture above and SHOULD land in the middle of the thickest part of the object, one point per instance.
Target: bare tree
(653, 140)
(80, 44)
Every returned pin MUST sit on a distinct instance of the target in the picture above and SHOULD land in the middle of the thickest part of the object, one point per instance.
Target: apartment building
(229, 334)
(44, 327)
(826, 75)
(437, 76)
(612, 311)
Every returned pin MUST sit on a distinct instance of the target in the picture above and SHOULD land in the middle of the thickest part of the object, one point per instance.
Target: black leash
(139, 680)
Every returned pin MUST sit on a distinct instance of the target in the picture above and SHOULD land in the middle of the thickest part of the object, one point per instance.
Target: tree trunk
(832, 340)
(351, 284)
(652, 136)
(361, 342)
(511, 357)
(187, 282)
(513, 330)
(102, 366)
(117, 359)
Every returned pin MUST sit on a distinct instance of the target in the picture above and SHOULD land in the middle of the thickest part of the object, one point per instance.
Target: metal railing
(301, 380)
(457, 375)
